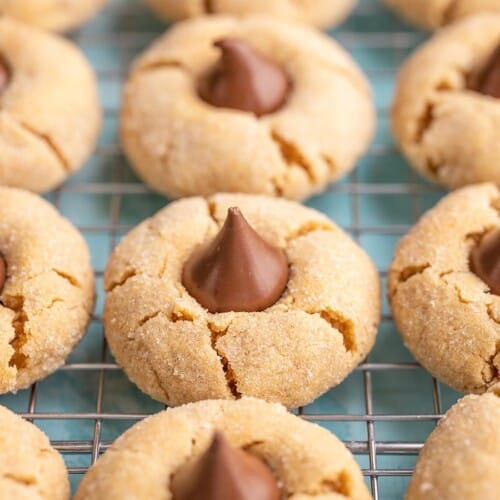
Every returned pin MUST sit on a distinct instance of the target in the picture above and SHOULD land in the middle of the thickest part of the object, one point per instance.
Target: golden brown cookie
(181, 145)
(433, 14)
(30, 469)
(446, 127)
(49, 108)
(177, 352)
(55, 15)
(320, 13)
(461, 458)
(448, 316)
(46, 291)
(307, 460)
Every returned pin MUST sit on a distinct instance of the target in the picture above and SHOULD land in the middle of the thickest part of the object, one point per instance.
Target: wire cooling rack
(385, 410)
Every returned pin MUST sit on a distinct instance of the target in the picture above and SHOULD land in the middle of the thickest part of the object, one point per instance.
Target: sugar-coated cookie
(30, 469)
(320, 13)
(46, 289)
(149, 461)
(49, 108)
(433, 14)
(444, 283)
(446, 112)
(55, 15)
(272, 108)
(271, 301)
(461, 458)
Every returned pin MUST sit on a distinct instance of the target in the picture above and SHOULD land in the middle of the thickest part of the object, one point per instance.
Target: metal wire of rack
(375, 411)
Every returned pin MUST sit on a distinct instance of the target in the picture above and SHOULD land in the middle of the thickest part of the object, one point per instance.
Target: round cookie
(307, 460)
(46, 291)
(181, 145)
(320, 13)
(442, 118)
(461, 458)
(30, 469)
(433, 14)
(49, 108)
(177, 351)
(55, 15)
(447, 315)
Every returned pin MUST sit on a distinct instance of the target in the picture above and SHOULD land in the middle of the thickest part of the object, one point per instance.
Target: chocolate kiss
(4, 74)
(485, 260)
(244, 79)
(237, 271)
(225, 473)
(488, 81)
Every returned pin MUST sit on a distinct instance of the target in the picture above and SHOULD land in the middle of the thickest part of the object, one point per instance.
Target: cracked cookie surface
(461, 458)
(49, 111)
(446, 314)
(176, 351)
(308, 461)
(48, 295)
(182, 146)
(448, 132)
(30, 469)
(56, 15)
(320, 13)
(433, 14)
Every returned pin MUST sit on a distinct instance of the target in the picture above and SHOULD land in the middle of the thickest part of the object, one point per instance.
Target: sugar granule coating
(50, 114)
(433, 14)
(48, 296)
(54, 15)
(323, 325)
(446, 314)
(308, 461)
(182, 146)
(320, 13)
(30, 469)
(448, 132)
(461, 458)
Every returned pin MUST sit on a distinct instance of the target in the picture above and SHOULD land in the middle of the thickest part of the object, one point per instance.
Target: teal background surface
(387, 407)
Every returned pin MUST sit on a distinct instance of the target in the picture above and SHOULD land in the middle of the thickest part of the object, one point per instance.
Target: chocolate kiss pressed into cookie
(225, 473)
(3, 272)
(4, 74)
(237, 271)
(485, 260)
(244, 79)
(488, 81)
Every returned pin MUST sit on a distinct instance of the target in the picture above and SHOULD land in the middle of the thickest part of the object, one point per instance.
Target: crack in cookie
(18, 359)
(50, 143)
(215, 335)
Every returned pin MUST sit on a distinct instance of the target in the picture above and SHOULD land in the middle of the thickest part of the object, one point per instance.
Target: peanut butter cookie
(444, 283)
(320, 13)
(255, 105)
(270, 300)
(433, 14)
(446, 112)
(55, 15)
(174, 455)
(49, 109)
(30, 469)
(461, 458)
(46, 289)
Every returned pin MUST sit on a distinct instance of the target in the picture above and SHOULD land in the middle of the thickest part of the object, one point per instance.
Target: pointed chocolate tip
(237, 271)
(224, 472)
(488, 80)
(244, 79)
(485, 260)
